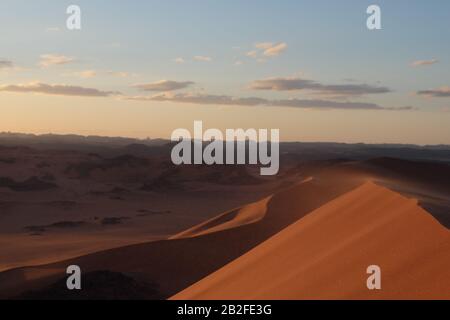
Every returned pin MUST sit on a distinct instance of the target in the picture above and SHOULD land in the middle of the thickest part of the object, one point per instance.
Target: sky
(311, 69)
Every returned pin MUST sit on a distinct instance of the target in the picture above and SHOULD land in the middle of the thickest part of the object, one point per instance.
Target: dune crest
(248, 214)
(325, 254)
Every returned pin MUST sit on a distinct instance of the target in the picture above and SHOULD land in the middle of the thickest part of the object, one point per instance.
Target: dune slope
(248, 214)
(326, 253)
(178, 263)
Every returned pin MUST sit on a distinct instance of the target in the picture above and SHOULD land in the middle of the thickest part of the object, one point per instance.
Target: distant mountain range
(116, 146)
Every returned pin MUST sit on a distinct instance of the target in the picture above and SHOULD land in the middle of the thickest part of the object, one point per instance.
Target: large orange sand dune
(175, 264)
(326, 253)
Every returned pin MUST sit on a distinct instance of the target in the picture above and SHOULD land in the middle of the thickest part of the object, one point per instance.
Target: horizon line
(37, 135)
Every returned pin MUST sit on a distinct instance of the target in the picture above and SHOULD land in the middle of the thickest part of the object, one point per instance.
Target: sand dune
(178, 263)
(245, 215)
(325, 254)
(248, 214)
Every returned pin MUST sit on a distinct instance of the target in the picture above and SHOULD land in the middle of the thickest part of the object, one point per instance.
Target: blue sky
(326, 42)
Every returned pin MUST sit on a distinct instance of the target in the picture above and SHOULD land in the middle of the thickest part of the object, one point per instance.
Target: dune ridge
(176, 264)
(325, 254)
(248, 214)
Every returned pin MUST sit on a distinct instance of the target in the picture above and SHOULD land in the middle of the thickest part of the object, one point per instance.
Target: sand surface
(340, 223)
(325, 254)
(248, 214)
(178, 263)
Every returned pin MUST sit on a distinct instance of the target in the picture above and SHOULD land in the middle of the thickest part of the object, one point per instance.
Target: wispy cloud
(443, 92)
(264, 45)
(48, 60)
(120, 74)
(86, 74)
(275, 50)
(179, 60)
(267, 50)
(421, 63)
(164, 85)
(203, 58)
(6, 64)
(297, 84)
(56, 89)
(207, 99)
(252, 54)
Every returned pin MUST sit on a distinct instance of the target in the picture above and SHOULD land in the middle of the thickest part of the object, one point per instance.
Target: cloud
(252, 54)
(296, 84)
(56, 89)
(405, 108)
(207, 99)
(267, 49)
(421, 63)
(164, 85)
(6, 64)
(275, 50)
(120, 74)
(203, 58)
(48, 60)
(443, 92)
(86, 74)
(179, 60)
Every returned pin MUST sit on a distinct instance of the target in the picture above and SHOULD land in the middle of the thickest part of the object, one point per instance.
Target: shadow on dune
(31, 184)
(98, 285)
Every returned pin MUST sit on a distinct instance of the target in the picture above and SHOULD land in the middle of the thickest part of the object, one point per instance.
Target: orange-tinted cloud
(56, 89)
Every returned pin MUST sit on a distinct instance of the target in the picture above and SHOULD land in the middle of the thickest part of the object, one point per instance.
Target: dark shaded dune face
(29, 185)
(434, 174)
(174, 265)
(428, 182)
(440, 209)
(7, 160)
(98, 285)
